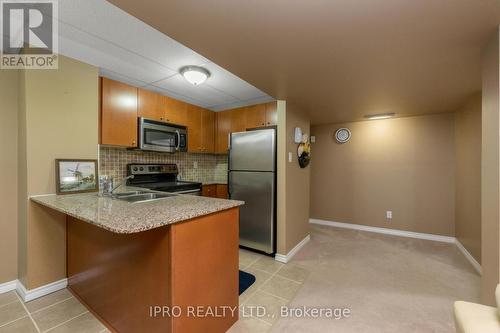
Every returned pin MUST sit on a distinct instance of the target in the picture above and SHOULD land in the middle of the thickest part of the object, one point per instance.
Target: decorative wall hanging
(76, 176)
(342, 135)
(304, 151)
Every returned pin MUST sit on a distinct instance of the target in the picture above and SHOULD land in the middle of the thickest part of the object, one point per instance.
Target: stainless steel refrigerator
(252, 178)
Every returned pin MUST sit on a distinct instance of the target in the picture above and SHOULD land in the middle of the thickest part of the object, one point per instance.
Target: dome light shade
(195, 75)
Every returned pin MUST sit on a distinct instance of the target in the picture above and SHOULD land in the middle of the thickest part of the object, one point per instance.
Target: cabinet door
(150, 105)
(176, 111)
(118, 114)
(208, 131)
(272, 114)
(223, 128)
(209, 191)
(193, 122)
(222, 191)
(255, 116)
(238, 120)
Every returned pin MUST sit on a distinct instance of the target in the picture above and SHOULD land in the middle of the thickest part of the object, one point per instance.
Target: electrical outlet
(195, 164)
(313, 139)
(388, 214)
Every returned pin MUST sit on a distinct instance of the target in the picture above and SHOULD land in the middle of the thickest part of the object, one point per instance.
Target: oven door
(157, 136)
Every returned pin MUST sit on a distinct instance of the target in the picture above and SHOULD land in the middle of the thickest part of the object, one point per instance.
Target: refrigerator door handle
(229, 184)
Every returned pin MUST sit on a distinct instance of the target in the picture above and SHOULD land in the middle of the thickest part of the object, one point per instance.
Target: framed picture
(76, 176)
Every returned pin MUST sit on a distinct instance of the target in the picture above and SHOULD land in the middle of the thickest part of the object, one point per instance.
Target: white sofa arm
(476, 318)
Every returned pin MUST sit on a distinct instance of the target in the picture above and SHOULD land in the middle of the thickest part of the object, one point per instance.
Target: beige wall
(490, 172)
(293, 182)
(406, 165)
(468, 176)
(8, 177)
(60, 121)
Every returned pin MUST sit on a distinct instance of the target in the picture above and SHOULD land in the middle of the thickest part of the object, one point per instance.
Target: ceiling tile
(108, 22)
(121, 78)
(231, 84)
(222, 107)
(203, 92)
(175, 95)
(87, 48)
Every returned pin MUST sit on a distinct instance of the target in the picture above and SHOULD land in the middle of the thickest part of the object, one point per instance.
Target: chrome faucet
(120, 184)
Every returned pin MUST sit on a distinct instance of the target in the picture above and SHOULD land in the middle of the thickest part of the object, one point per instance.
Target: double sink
(140, 196)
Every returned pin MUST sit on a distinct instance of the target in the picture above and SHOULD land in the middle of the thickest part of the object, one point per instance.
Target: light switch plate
(290, 157)
(313, 138)
(195, 164)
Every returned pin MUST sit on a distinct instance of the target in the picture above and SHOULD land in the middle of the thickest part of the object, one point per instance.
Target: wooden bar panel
(205, 269)
(119, 276)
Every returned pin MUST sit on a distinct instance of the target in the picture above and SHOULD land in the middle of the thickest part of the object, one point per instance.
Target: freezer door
(253, 150)
(257, 215)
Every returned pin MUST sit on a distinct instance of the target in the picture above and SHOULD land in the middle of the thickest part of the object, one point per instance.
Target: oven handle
(178, 140)
(187, 192)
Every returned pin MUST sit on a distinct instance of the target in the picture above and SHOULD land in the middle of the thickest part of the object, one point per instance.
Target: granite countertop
(126, 218)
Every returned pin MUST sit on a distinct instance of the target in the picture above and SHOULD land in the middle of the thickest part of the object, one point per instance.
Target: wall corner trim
(29, 295)
(402, 233)
(285, 258)
(468, 256)
(8, 286)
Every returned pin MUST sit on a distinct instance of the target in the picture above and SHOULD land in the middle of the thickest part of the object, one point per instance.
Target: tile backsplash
(211, 168)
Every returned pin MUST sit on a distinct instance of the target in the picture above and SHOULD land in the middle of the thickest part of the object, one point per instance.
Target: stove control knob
(135, 169)
(141, 169)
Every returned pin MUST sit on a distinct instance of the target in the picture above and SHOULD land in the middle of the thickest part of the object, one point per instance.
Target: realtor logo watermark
(29, 34)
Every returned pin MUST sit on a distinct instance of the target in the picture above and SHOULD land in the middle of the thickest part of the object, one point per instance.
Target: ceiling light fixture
(195, 75)
(379, 116)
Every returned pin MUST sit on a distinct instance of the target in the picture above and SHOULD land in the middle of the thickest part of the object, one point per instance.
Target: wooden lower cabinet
(215, 191)
(222, 192)
(120, 278)
(209, 191)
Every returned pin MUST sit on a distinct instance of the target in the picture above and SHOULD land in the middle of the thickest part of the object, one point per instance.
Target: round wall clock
(342, 135)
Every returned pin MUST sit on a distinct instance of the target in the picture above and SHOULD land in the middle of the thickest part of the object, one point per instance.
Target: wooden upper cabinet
(238, 120)
(223, 128)
(255, 116)
(176, 111)
(271, 114)
(118, 114)
(201, 129)
(208, 131)
(194, 128)
(151, 105)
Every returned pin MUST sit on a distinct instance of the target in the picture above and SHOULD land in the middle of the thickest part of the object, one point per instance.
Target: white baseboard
(401, 233)
(29, 295)
(8, 286)
(469, 257)
(285, 258)
(387, 231)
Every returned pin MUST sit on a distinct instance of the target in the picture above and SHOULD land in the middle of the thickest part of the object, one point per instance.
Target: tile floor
(391, 284)
(59, 312)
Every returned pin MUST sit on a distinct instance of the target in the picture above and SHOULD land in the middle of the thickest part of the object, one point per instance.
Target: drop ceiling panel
(209, 95)
(231, 84)
(260, 100)
(90, 49)
(122, 78)
(172, 94)
(106, 21)
(128, 50)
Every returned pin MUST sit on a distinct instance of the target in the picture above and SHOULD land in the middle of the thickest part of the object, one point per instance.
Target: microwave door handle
(178, 140)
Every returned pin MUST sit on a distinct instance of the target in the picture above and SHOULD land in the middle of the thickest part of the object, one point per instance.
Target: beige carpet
(391, 284)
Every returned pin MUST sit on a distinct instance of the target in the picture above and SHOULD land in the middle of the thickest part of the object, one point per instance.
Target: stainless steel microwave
(161, 137)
